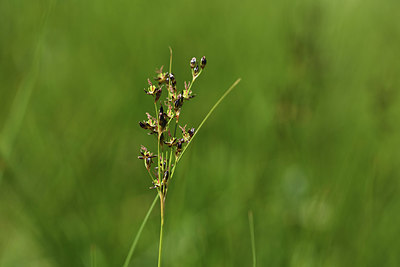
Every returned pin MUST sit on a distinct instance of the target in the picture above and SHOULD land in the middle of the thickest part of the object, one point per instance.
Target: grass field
(308, 141)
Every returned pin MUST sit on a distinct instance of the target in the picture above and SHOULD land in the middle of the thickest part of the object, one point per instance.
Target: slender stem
(151, 176)
(162, 203)
(93, 255)
(253, 245)
(170, 62)
(158, 142)
(128, 258)
(193, 79)
(162, 189)
(170, 158)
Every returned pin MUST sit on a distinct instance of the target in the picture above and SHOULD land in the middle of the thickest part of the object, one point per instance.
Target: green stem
(158, 143)
(161, 227)
(253, 245)
(172, 150)
(93, 256)
(170, 62)
(151, 176)
(128, 258)
(194, 79)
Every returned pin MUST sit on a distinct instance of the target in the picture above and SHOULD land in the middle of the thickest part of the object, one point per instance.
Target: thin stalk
(158, 142)
(162, 189)
(161, 227)
(253, 245)
(93, 256)
(170, 63)
(151, 176)
(194, 78)
(170, 158)
(128, 258)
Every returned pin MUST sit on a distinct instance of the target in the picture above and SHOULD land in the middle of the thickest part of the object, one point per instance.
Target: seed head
(147, 156)
(193, 62)
(162, 118)
(196, 70)
(172, 79)
(157, 94)
(203, 62)
(161, 76)
(166, 176)
(178, 102)
(191, 132)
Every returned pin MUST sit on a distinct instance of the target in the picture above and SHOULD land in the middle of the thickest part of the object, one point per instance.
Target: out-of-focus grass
(308, 142)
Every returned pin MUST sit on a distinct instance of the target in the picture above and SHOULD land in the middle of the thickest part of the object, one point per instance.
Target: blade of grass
(93, 256)
(208, 115)
(19, 106)
(132, 249)
(253, 245)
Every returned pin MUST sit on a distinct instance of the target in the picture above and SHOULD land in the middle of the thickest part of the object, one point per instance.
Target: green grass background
(309, 140)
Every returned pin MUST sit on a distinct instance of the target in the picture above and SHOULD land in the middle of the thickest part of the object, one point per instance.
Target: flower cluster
(165, 122)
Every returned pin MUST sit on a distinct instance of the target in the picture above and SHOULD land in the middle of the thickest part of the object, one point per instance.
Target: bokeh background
(309, 140)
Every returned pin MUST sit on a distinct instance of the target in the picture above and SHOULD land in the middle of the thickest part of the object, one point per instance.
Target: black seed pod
(148, 162)
(179, 145)
(162, 139)
(158, 94)
(193, 62)
(163, 123)
(172, 79)
(178, 102)
(196, 70)
(191, 132)
(166, 176)
(203, 62)
(143, 125)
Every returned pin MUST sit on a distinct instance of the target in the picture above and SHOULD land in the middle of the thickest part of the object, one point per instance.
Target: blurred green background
(309, 140)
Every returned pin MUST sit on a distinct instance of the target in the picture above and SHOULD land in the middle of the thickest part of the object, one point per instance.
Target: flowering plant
(164, 125)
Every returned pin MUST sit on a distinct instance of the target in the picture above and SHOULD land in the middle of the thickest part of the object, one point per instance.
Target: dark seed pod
(143, 125)
(162, 139)
(157, 95)
(191, 132)
(162, 118)
(163, 165)
(148, 162)
(196, 70)
(166, 176)
(179, 146)
(163, 123)
(178, 102)
(193, 62)
(172, 79)
(203, 62)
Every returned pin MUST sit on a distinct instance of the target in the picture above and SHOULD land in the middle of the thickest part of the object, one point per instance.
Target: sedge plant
(172, 138)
